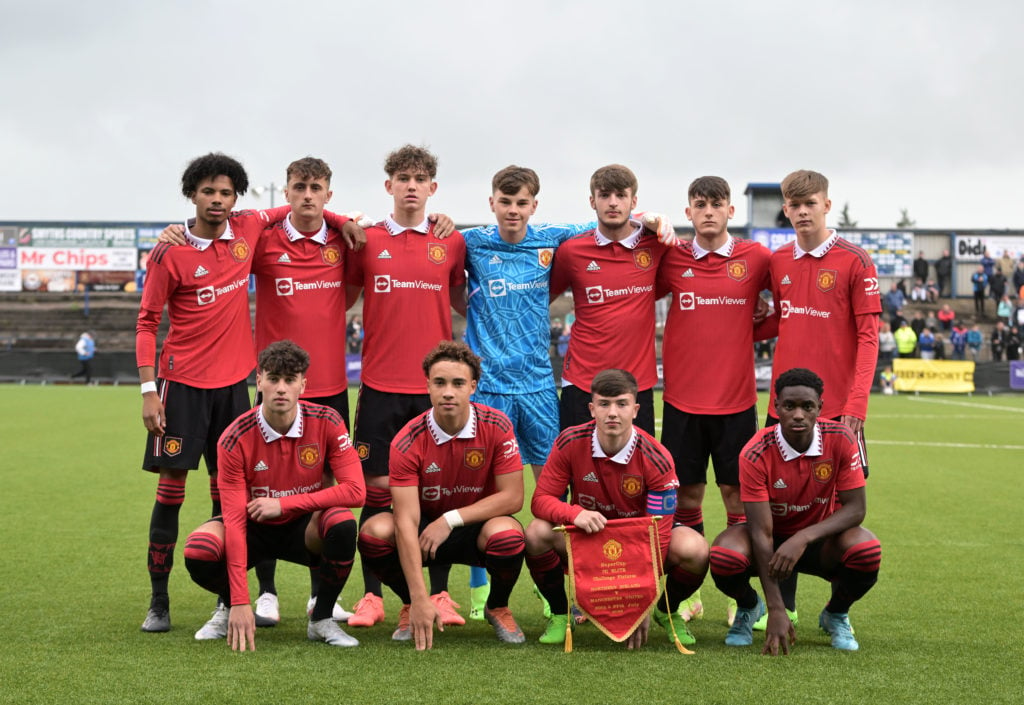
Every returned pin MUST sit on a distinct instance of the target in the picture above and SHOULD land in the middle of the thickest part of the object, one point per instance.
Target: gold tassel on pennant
(572, 593)
(568, 636)
(656, 546)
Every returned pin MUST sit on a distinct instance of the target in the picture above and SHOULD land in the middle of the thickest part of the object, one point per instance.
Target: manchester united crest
(172, 445)
(737, 269)
(826, 279)
(632, 486)
(474, 458)
(309, 455)
(437, 252)
(544, 256)
(823, 471)
(331, 254)
(240, 250)
(363, 450)
(643, 258)
(612, 550)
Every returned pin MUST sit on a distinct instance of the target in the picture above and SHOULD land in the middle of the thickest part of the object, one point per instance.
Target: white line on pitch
(988, 446)
(970, 405)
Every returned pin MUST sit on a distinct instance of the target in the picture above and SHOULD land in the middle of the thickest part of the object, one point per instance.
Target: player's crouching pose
(272, 461)
(613, 470)
(793, 477)
(456, 478)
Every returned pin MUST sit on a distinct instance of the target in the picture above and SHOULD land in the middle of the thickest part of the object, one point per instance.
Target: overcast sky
(913, 105)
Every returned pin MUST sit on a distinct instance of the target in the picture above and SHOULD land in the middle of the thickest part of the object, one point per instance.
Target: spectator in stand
(926, 344)
(917, 323)
(940, 347)
(979, 280)
(931, 321)
(1004, 309)
(958, 339)
(886, 343)
(931, 290)
(906, 340)
(943, 272)
(888, 381)
(946, 317)
(999, 340)
(1018, 279)
(897, 319)
(556, 332)
(988, 264)
(918, 292)
(974, 342)
(354, 335)
(1013, 343)
(895, 299)
(1006, 265)
(85, 348)
(921, 267)
(997, 286)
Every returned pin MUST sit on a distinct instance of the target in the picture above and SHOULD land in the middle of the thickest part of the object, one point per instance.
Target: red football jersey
(800, 488)
(827, 302)
(708, 348)
(616, 487)
(206, 291)
(613, 293)
(255, 461)
(453, 472)
(300, 295)
(407, 278)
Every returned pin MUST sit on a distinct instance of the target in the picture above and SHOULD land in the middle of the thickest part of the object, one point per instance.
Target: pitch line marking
(970, 405)
(983, 446)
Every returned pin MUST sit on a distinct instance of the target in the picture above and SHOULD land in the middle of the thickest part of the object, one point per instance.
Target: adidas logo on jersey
(284, 258)
(260, 466)
(201, 271)
(495, 260)
(780, 485)
(785, 280)
(384, 255)
(590, 477)
(433, 467)
(687, 274)
(593, 267)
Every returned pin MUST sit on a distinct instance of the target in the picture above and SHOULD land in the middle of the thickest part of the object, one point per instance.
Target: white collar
(202, 243)
(819, 251)
(623, 456)
(294, 235)
(395, 229)
(629, 243)
(725, 250)
(441, 436)
(270, 435)
(787, 451)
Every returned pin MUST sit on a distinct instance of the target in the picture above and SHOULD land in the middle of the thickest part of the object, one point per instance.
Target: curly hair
(799, 377)
(411, 157)
(308, 168)
(451, 351)
(283, 358)
(210, 166)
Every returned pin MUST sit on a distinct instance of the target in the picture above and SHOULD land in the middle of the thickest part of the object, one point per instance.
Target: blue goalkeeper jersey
(507, 318)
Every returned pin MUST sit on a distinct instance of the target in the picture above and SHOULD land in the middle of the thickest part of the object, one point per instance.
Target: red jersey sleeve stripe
(574, 433)
(157, 253)
(416, 429)
(242, 425)
(855, 250)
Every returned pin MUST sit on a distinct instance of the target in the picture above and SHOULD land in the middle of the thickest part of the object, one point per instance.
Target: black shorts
(379, 418)
(338, 402)
(286, 542)
(862, 446)
(460, 547)
(694, 438)
(195, 420)
(574, 408)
